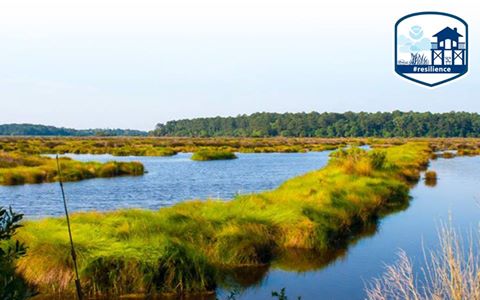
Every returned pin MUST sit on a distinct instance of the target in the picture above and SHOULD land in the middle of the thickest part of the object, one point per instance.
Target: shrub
(12, 286)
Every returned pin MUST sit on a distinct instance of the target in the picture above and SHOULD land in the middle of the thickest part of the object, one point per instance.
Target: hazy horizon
(133, 64)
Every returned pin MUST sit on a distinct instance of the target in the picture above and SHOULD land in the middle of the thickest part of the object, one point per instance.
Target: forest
(43, 130)
(314, 124)
(263, 124)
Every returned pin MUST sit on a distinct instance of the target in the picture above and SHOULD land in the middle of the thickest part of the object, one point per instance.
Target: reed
(450, 272)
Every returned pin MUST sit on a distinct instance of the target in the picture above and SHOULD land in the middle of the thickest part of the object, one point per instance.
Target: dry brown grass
(451, 272)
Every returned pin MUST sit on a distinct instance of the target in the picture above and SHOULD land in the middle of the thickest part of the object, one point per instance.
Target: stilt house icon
(448, 50)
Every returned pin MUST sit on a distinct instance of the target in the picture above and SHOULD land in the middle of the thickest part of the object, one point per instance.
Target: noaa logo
(431, 48)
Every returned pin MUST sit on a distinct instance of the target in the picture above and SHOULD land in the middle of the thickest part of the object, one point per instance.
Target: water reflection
(431, 182)
(169, 180)
(237, 280)
(342, 274)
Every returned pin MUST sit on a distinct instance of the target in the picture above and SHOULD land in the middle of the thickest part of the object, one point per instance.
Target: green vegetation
(150, 146)
(166, 146)
(191, 246)
(314, 124)
(17, 168)
(42, 130)
(208, 154)
(12, 286)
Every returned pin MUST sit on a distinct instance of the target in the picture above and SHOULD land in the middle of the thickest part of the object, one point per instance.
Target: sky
(136, 63)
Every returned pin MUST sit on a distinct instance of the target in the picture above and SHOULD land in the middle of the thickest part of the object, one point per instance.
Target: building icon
(448, 50)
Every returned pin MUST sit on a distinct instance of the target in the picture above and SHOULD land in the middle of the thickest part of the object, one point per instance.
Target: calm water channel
(341, 275)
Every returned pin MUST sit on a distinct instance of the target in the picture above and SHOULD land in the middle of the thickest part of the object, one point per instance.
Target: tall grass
(211, 154)
(16, 168)
(451, 272)
(187, 247)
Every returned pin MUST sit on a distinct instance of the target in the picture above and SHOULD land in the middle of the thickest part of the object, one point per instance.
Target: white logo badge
(431, 48)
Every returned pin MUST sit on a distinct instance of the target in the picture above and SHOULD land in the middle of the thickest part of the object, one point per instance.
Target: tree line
(314, 124)
(42, 130)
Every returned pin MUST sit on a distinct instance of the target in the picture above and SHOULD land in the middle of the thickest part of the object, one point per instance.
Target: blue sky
(135, 63)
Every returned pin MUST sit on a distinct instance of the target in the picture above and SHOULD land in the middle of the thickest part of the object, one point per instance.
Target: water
(455, 196)
(169, 180)
(342, 275)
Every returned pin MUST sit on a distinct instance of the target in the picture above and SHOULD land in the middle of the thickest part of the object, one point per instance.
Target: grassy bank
(166, 146)
(16, 168)
(150, 146)
(206, 154)
(191, 246)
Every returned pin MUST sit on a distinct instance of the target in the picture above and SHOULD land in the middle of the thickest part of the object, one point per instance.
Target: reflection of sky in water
(456, 192)
(169, 180)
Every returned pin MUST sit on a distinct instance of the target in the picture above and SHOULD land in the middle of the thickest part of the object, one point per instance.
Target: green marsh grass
(212, 154)
(166, 146)
(17, 168)
(186, 248)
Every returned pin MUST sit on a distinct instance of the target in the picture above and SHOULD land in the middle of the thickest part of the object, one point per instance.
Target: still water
(340, 275)
(456, 196)
(169, 180)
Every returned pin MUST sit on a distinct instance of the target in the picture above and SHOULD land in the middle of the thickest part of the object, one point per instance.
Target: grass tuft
(209, 154)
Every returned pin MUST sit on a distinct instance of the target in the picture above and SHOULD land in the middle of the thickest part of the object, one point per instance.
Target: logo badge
(431, 48)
